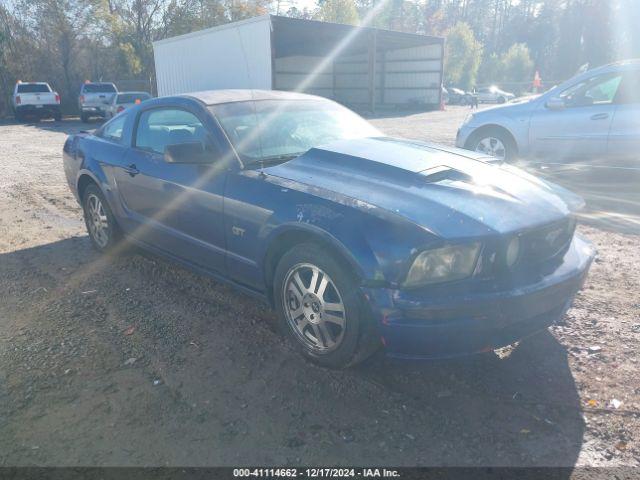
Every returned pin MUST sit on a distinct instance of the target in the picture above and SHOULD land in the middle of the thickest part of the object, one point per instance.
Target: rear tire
(57, 116)
(104, 232)
(84, 117)
(320, 309)
(502, 100)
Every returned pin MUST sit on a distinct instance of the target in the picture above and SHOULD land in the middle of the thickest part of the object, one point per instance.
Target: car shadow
(522, 401)
(231, 389)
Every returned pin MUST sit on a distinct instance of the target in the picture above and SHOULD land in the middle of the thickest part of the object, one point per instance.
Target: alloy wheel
(97, 221)
(492, 146)
(314, 308)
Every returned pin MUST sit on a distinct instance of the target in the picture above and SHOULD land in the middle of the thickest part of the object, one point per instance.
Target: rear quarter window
(113, 130)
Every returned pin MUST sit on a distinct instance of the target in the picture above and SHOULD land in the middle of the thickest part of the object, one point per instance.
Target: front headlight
(443, 264)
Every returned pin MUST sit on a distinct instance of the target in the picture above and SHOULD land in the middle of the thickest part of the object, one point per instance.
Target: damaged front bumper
(447, 321)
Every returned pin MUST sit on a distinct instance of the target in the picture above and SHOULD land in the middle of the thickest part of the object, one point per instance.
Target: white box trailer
(362, 67)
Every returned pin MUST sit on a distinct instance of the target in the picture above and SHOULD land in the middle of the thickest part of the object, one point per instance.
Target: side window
(113, 129)
(600, 90)
(629, 92)
(167, 126)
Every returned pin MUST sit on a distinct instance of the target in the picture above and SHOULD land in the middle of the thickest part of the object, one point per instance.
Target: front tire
(320, 309)
(84, 117)
(98, 217)
(495, 142)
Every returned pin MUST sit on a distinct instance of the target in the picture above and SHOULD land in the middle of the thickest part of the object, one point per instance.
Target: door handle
(600, 116)
(131, 170)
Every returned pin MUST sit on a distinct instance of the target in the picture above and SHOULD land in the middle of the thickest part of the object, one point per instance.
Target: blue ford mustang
(355, 238)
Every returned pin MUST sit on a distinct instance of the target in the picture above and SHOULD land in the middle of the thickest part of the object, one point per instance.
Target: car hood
(450, 192)
(510, 108)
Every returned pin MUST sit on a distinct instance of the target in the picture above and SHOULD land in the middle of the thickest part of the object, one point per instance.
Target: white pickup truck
(35, 99)
(95, 98)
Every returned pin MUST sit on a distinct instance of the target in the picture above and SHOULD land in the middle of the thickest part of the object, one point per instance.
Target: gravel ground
(135, 361)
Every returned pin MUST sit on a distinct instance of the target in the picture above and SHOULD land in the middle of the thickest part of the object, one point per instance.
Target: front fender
(362, 262)
(513, 118)
(265, 210)
(376, 246)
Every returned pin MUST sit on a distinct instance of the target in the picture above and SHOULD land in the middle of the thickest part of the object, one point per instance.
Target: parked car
(459, 97)
(124, 100)
(358, 240)
(94, 99)
(594, 115)
(35, 99)
(494, 95)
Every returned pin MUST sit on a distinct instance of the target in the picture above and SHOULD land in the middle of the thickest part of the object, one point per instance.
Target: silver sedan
(595, 114)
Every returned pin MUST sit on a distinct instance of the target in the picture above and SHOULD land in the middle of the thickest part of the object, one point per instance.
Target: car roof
(215, 97)
(620, 66)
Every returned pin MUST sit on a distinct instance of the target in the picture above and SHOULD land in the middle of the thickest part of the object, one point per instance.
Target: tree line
(65, 42)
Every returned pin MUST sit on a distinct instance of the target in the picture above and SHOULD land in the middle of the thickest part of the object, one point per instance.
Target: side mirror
(188, 152)
(555, 103)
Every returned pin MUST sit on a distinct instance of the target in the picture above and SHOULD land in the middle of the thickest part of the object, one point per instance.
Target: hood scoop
(452, 177)
(444, 172)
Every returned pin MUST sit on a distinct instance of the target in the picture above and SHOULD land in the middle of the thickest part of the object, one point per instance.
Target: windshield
(282, 129)
(99, 88)
(132, 97)
(33, 88)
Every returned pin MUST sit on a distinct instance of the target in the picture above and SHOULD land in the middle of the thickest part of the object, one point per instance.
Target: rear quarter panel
(88, 154)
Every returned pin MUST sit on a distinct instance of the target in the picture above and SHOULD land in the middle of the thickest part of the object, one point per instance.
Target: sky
(299, 4)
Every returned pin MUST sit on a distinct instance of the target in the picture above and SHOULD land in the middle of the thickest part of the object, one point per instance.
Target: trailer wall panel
(232, 56)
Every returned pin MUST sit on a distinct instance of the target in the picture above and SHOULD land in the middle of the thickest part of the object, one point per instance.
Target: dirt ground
(135, 361)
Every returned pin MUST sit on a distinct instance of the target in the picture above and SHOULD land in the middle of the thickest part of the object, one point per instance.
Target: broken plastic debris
(595, 348)
(592, 403)
(615, 403)
(130, 361)
(129, 330)
(156, 383)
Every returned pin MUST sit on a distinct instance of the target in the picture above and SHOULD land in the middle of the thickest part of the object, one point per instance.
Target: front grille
(548, 242)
